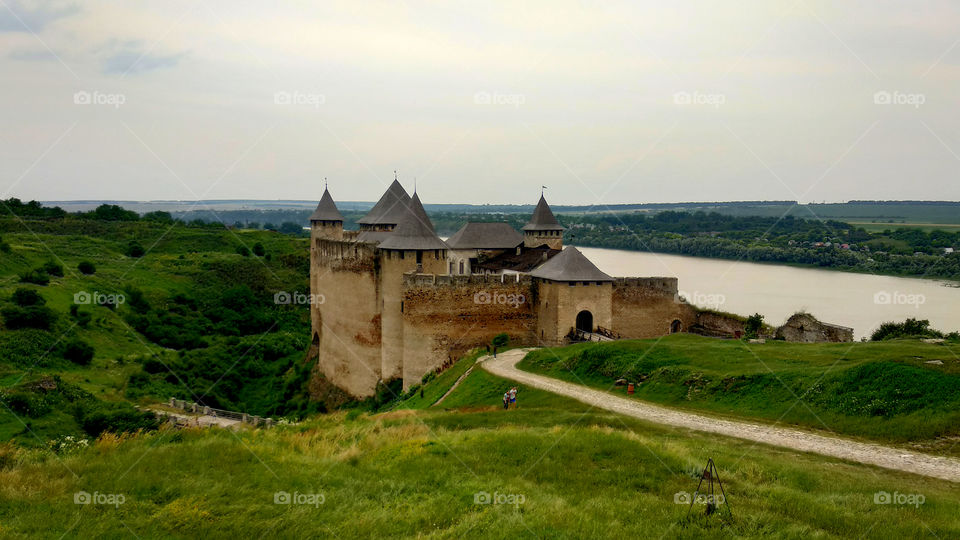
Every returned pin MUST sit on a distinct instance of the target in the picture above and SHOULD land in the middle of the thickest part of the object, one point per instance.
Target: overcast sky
(603, 102)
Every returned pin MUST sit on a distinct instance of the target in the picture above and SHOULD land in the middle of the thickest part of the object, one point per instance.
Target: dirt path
(871, 454)
(200, 420)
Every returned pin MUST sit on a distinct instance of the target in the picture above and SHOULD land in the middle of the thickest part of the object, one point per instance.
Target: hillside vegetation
(98, 314)
(901, 391)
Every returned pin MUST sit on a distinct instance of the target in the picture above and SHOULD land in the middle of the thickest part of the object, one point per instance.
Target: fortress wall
(347, 323)
(646, 307)
(446, 316)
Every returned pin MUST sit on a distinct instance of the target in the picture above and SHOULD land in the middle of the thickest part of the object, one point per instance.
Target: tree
(135, 250)
(158, 216)
(37, 277)
(258, 249)
(27, 297)
(53, 268)
(288, 227)
(87, 268)
(243, 251)
(78, 352)
(753, 326)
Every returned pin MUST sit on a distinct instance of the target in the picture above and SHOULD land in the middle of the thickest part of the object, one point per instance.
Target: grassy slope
(415, 473)
(883, 391)
(175, 261)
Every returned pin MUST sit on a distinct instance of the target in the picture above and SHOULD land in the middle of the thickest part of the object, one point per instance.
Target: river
(860, 301)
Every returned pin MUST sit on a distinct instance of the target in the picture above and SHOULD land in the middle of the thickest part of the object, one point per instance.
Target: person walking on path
(506, 400)
(513, 397)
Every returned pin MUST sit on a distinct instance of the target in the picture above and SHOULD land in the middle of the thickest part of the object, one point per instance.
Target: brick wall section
(646, 307)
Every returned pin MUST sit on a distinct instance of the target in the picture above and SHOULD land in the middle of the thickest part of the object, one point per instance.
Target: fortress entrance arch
(675, 326)
(585, 321)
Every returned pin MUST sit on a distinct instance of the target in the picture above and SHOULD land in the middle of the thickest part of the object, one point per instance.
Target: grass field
(550, 469)
(884, 391)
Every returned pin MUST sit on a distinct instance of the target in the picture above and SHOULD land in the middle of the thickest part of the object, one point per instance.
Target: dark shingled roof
(389, 209)
(527, 260)
(543, 218)
(570, 265)
(485, 236)
(414, 231)
(326, 210)
(373, 237)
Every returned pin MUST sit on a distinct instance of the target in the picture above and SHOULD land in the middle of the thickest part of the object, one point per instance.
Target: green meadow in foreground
(550, 469)
(885, 391)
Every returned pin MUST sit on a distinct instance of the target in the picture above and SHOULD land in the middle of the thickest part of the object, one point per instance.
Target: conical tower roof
(389, 209)
(570, 265)
(414, 231)
(327, 209)
(543, 218)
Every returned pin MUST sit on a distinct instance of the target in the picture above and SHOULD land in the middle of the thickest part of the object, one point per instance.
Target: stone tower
(413, 246)
(543, 228)
(573, 295)
(326, 221)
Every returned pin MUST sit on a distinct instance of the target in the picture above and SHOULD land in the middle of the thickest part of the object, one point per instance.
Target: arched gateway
(585, 321)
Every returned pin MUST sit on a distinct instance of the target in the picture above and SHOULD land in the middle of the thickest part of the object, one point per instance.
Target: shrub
(753, 325)
(78, 352)
(40, 317)
(52, 268)
(134, 249)
(4, 247)
(243, 251)
(37, 277)
(500, 340)
(258, 249)
(87, 268)
(906, 329)
(27, 297)
(136, 300)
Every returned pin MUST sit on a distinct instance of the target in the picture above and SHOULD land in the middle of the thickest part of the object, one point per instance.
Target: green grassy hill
(550, 469)
(197, 321)
(887, 391)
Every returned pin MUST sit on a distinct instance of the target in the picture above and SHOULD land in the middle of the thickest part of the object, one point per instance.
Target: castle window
(419, 257)
(461, 267)
(401, 306)
(572, 284)
(401, 254)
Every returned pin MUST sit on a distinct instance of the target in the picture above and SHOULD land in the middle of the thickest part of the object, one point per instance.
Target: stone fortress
(401, 302)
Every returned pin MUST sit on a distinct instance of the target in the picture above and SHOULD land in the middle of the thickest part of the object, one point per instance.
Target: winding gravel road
(872, 454)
